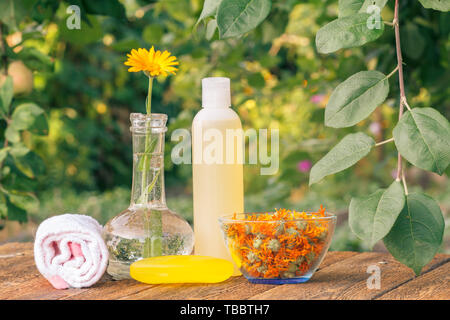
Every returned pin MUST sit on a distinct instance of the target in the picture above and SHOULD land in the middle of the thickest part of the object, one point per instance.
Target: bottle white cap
(216, 92)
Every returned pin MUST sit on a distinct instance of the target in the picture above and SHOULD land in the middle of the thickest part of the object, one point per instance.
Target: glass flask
(147, 228)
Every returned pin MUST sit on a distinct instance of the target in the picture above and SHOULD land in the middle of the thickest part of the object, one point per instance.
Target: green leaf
(350, 7)
(153, 34)
(3, 153)
(367, 3)
(3, 207)
(44, 10)
(372, 217)
(417, 234)
(35, 59)
(15, 213)
(28, 162)
(29, 116)
(413, 43)
(422, 136)
(356, 98)
(209, 9)
(256, 80)
(26, 35)
(124, 45)
(346, 32)
(111, 8)
(441, 5)
(6, 95)
(11, 13)
(89, 32)
(346, 153)
(23, 199)
(12, 134)
(236, 17)
(211, 29)
(14, 179)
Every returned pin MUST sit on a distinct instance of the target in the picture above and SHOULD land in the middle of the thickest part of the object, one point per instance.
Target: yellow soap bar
(181, 269)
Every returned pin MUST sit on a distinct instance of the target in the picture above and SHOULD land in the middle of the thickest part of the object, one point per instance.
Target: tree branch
(392, 73)
(404, 182)
(400, 79)
(4, 60)
(384, 142)
(3, 56)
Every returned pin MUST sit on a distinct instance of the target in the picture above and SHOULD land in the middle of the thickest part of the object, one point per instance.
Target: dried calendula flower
(284, 247)
(287, 274)
(280, 228)
(292, 267)
(262, 269)
(274, 245)
(301, 225)
(311, 241)
(291, 245)
(300, 260)
(310, 256)
(291, 231)
(252, 257)
(261, 235)
(257, 243)
(323, 235)
(225, 227)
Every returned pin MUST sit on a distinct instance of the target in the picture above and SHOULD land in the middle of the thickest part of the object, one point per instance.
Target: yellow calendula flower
(153, 63)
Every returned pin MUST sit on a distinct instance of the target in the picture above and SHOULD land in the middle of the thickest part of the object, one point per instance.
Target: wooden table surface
(342, 275)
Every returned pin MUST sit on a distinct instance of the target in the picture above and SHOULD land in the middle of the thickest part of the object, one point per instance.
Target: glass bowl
(271, 248)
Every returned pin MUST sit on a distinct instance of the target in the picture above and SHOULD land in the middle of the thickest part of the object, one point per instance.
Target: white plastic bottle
(218, 185)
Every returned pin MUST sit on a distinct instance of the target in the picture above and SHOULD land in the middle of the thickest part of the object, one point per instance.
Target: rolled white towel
(69, 251)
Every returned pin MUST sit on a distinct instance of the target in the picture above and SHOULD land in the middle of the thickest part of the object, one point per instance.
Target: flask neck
(148, 133)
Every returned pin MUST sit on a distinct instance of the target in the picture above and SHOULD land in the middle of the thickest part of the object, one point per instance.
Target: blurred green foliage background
(278, 81)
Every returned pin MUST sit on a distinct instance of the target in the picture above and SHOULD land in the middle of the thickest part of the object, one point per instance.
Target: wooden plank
(246, 289)
(393, 274)
(35, 288)
(18, 270)
(20, 279)
(433, 285)
(40, 289)
(108, 289)
(183, 291)
(342, 275)
(16, 266)
(348, 279)
(233, 288)
(15, 249)
(14, 254)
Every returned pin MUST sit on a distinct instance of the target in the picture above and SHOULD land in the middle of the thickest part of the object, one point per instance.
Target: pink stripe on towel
(58, 282)
(69, 251)
(75, 248)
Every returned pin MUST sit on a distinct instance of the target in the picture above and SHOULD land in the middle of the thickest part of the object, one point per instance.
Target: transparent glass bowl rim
(229, 218)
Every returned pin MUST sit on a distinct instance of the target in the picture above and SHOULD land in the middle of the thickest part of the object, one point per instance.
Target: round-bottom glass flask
(147, 228)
